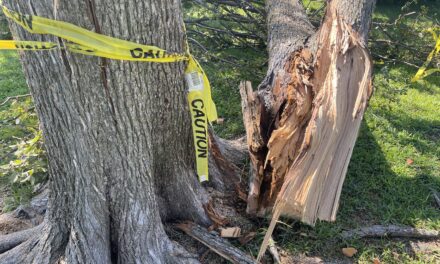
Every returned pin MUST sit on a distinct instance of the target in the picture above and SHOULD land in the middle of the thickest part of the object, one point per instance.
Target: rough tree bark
(118, 138)
(118, 134)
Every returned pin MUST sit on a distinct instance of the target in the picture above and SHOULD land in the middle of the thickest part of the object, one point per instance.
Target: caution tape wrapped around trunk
(86, 42)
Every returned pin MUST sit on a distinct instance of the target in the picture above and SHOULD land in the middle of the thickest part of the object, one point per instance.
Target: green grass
(12, 80)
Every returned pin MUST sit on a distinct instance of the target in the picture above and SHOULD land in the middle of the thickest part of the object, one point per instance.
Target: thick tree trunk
(311, 101)
(118, 138)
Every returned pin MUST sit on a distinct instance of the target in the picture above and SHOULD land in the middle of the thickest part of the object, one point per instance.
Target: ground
(395, 163)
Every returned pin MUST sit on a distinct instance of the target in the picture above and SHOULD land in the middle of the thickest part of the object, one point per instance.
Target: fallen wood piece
(390, 231)
(436, 196)
(230, 232)
(274, 252)
(215, 243)
(10, 241)
(14, 97)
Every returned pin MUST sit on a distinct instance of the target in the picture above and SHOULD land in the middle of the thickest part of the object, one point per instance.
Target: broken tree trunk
(302, 124)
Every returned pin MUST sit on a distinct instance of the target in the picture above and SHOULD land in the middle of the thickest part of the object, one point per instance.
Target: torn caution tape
(79, 40)
(423, 72)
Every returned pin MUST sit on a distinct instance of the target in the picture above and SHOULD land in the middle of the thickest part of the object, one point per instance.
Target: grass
(394, 164)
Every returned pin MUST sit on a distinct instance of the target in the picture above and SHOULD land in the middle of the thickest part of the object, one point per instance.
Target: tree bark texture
(118, 138)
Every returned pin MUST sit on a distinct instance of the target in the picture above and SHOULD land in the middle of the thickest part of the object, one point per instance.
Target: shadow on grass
(373, 193)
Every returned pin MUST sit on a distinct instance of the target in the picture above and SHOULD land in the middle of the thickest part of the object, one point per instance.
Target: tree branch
(390, 231)
(14, 97)
(216, 243)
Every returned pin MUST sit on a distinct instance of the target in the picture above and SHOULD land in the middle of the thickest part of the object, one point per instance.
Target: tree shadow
(384, 188)
(374, 193)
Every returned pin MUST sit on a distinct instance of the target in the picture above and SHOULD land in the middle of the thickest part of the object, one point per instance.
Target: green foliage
(29, 164)
(22, 159)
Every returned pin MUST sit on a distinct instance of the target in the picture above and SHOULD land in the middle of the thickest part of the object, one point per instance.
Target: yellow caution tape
(422, 72)
(86, 42)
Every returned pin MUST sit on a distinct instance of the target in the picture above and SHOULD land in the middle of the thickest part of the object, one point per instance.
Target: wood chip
(349, 252)
(220, 121)
(230, 232)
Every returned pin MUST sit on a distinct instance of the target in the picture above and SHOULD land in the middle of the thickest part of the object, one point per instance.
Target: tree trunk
(303, 121)
(118, 138)
(307, 112)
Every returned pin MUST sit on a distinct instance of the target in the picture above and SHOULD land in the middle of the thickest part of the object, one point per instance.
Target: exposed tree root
(10, 241)
(390, 231)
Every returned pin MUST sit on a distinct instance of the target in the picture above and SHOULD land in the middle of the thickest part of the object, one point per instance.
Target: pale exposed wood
(342, 83)
(341, 87)
(294, 105)
(349, 251)
(231, 232)
(216, 243)
(377, 231)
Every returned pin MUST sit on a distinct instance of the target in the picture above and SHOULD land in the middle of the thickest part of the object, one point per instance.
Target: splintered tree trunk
(303, 121)
(118, 137)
